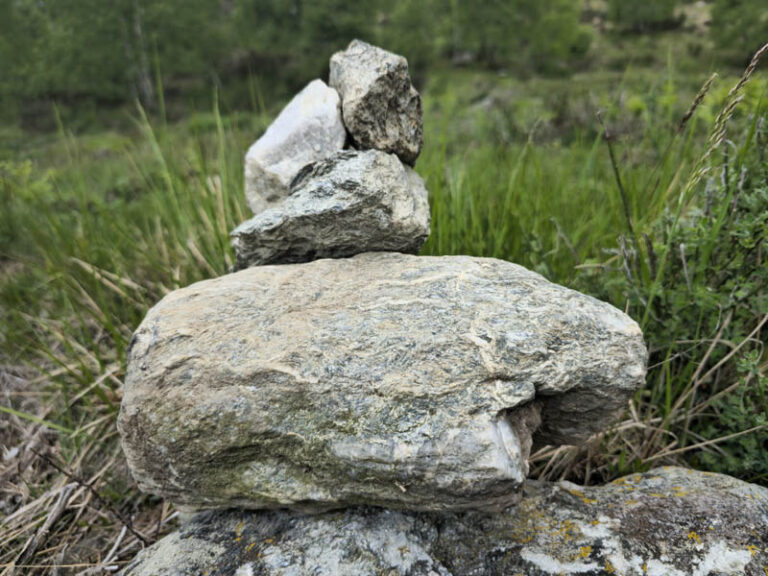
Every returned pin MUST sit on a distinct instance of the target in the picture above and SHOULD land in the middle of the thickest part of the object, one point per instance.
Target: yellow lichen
(753, 549)
(584, 552)
(609, 569)
(693, 536)
(679, 492)
(582, 497)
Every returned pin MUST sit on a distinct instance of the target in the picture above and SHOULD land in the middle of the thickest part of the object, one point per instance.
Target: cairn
(337, 371)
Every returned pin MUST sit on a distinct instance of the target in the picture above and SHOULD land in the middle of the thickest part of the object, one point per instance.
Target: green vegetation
(47, 48)
(659, 206)
(90, 57)
(640, 16)
(739, 27)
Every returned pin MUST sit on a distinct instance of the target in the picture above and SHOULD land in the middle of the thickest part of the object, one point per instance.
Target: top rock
(307, 130)
(380, 107)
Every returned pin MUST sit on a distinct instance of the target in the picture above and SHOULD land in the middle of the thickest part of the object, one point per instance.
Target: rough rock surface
(668, 522)
(384, 379)
(380, 106)
(350, 203)
(308, 129)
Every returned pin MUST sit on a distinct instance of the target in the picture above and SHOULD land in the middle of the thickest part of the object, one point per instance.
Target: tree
(542, 34)
(739, 27)
(642, 15)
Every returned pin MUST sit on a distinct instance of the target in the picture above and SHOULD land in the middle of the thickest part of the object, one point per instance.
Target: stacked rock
(337, 371)
(313, 199)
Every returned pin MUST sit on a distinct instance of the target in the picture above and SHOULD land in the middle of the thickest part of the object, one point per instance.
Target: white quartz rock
(308, 129)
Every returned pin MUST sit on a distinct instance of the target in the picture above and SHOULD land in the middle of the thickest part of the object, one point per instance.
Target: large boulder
(308, 129)
(350, 203)
(669, 522)
(380, 106)
(384, 379)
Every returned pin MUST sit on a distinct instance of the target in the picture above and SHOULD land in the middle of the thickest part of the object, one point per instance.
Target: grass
(98, 228)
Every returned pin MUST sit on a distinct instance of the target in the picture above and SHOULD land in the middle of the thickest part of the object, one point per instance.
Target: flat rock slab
(668, 522)
(350, 203)
(384, 379)
(308, 129)
(380, 107)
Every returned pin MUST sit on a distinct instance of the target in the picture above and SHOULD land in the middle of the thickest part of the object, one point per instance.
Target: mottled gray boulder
(669, 522)
(380, 106)
(350, 203)
(384, 379)
(308, 129)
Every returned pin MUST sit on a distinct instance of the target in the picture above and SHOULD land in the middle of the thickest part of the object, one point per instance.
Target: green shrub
(642, 15)
(544, 35)
(697, 281)
(739, 27)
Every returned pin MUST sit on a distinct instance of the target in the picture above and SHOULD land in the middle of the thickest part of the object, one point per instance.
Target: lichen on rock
(667, 522)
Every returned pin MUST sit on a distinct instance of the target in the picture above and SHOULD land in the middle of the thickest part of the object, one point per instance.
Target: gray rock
(384, 379)
(669, 522)
(308, 129)
(380, 106)
(350, 203)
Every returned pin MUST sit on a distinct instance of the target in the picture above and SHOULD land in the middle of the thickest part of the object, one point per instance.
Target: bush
(697, 283)
(739, 27)
(544, 35)
(642, 15)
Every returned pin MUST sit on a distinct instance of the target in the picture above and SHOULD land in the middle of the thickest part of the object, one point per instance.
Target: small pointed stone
(308, 129)
(380, 106)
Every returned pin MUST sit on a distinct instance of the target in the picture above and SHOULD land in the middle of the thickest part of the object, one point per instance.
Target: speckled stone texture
(380, 107)
(384, 379)
(668, 522)
(308, 129)
(350, 203)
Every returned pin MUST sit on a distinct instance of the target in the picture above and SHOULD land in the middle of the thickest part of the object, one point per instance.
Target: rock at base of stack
(384, 379)
(668, 522)
(350, 203)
